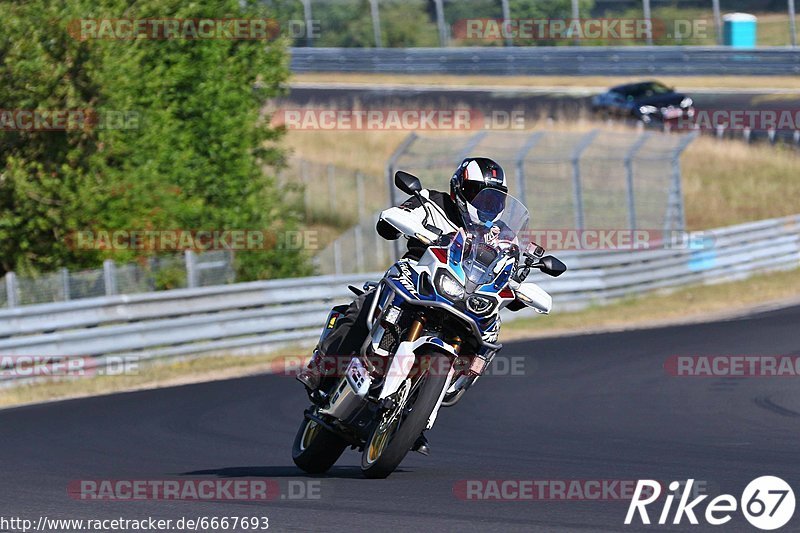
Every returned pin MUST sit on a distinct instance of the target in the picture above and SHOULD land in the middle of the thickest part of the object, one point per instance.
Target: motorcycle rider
(473, 175)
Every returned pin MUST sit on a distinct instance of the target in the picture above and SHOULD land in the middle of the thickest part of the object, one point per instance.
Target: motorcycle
(433, 332)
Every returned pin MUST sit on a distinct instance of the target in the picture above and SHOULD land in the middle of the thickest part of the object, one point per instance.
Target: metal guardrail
(556, 60)
(257, 316)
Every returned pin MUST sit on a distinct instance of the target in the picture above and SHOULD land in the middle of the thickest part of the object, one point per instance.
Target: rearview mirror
(408, 183)
(551, 266)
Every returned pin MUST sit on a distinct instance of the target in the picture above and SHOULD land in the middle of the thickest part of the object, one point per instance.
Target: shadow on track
(343, 472)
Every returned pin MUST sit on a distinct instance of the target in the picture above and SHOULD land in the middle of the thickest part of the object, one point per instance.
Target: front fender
(403, 361)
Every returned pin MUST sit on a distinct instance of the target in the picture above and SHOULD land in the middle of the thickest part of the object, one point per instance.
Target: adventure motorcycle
(433, 332)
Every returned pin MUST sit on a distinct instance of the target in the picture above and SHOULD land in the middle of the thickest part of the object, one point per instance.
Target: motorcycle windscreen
(493, 234)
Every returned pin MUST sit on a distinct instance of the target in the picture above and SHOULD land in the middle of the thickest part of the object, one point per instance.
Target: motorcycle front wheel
(392, 439)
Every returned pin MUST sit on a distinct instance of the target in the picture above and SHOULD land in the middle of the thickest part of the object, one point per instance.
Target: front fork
(397, 377)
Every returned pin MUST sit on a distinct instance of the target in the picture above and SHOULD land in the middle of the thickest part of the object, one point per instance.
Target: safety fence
(385, 23)
(165, 272)
(569, 180)
(259, 316)
(332, 194)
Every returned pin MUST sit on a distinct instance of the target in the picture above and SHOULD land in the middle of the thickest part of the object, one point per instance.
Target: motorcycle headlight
(686, 102)
(480, 304)
(647, 109)
(449, 286)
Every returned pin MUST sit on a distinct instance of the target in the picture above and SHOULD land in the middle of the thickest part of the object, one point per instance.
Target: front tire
(388, 444)
(316, 449)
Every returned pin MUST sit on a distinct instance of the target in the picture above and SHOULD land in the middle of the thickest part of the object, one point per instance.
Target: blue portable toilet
(739, 30)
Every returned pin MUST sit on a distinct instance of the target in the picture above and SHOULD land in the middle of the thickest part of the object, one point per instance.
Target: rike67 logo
(767, 503)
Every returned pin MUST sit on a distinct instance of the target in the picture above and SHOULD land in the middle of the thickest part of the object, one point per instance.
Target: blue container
(739, 30)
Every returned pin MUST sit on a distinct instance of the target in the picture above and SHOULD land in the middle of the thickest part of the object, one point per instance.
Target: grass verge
(688, 304)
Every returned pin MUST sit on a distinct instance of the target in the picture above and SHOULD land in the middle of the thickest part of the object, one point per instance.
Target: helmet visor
(471, 188)
(489, 204)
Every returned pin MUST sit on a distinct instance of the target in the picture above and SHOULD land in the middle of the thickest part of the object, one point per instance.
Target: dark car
(647, 101)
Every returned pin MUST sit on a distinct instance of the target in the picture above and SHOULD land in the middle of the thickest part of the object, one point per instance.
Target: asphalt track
(597, 406)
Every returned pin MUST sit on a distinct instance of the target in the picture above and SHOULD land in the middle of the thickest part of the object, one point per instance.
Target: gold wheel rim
(378, 443)
(312, 428)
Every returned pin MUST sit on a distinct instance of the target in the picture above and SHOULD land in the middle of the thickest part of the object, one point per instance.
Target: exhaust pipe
(349, 392)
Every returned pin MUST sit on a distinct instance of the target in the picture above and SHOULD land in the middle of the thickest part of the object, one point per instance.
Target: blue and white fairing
(471, 276)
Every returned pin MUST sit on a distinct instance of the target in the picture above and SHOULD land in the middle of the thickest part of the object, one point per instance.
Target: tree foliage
(191, 156)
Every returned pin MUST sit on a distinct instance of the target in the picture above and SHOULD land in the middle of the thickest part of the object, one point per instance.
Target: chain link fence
(334, 195)
(347, 200)
(156, 273)
(448, 23)
(568, 180)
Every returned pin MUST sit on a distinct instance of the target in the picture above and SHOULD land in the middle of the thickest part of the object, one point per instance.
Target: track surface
(591, 407)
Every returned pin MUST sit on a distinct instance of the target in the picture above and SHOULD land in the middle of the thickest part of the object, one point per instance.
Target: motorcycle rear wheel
(316, 449)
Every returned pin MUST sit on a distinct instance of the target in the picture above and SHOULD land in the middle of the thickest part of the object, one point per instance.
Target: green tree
(195, 158)
(547, 9)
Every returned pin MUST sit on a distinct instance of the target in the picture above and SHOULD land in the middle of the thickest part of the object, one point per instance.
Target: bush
(193, 158)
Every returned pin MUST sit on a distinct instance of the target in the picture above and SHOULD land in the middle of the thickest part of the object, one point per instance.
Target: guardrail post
(306, 185)
(717, 21)
(376, 23)
(506, 22)
(11, 289)
(110, 277)
(576, 15)
(577, 190)
(646, 12)
(65, 283)
(440, 23)
(362, 218)
(675, 207)
(332, 189)
(520, 161)
(309, 22)
(637, 145)
(337, 257)
(390, 167)
(192, 280)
